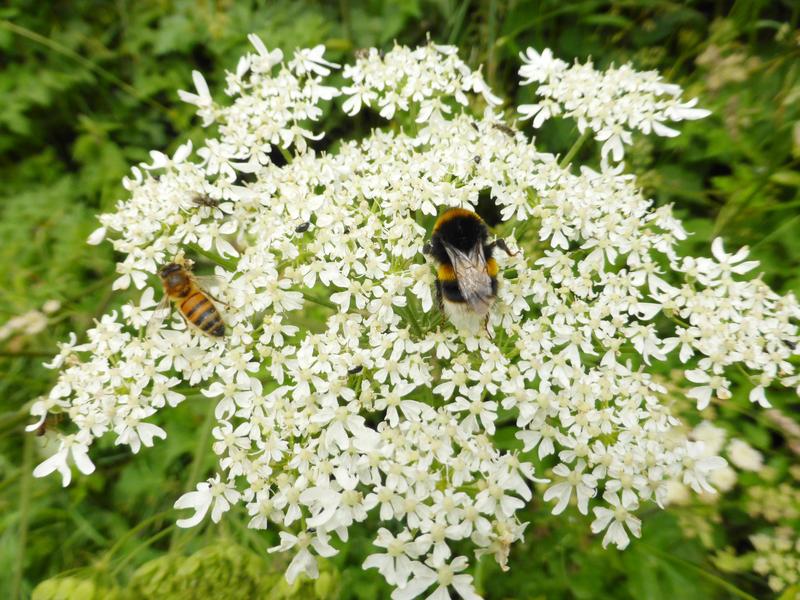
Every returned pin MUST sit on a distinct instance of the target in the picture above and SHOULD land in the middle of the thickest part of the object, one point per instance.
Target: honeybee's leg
(225, 304)
(206, 282)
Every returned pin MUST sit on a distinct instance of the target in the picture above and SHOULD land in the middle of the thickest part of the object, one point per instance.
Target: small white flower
(615, 520)
(698, 466)
(309, 60)
(583, 484)
(97, 236)
(744, 456)
(304, 561)
(74, 446)
(215, 494)
(396, 564)
(443, 576)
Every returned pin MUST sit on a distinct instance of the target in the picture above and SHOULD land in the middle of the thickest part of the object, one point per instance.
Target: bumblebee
(466, 275)
(182, 289)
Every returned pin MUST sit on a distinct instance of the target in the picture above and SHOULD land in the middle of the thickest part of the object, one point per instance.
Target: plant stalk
(24, 513)
(197, 462)
(575, 147)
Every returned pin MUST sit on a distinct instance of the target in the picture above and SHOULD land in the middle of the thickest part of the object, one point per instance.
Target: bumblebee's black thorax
(460, 228)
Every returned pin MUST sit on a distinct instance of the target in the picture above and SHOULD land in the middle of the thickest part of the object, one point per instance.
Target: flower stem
(24, 508)
(491, 51)
(215, 258)
(409, 312)
(155, 537)
(575, 147)
(133, 532)
(712, 577)
(320, 301)
(197, 461)
(344, 12)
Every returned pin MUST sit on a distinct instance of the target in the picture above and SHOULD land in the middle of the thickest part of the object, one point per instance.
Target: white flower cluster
(611, 103)
(776, 503)
(30, 322)
(339, 390)
(740, 454)
(428, 78)
(777, 555)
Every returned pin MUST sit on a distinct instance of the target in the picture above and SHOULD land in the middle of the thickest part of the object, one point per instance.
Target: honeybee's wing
(473, 280)
(210, 284)
(159, 314)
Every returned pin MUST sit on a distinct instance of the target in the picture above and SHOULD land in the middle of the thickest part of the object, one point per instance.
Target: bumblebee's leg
(501, 243)
(426, 249)
(439, 305)
(486, 326)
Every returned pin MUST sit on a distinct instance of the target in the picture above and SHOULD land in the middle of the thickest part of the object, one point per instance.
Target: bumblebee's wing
(159, 314)
(474, 282)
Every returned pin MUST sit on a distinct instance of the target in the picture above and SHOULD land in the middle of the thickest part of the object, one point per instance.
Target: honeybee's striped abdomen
(193, 304)
(214, 326)
(202, 313)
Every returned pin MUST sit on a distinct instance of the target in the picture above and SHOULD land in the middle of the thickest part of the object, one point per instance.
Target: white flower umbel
(339, 391)
(611, 103)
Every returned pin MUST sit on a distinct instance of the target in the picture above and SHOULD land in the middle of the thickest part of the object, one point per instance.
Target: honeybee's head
(169, 269)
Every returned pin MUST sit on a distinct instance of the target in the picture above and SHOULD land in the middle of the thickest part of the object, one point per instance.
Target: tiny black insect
(504, 128)
(204, 200)
(303, 227)
(355, 370)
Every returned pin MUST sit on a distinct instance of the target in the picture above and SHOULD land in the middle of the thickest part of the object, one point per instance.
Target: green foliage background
(89, 87)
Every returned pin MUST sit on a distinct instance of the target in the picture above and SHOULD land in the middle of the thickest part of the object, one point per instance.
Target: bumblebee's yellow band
(446, 273)
(491, 267)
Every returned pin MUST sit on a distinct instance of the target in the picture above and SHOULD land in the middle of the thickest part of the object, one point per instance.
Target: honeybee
(466, 275)
(182, 289)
